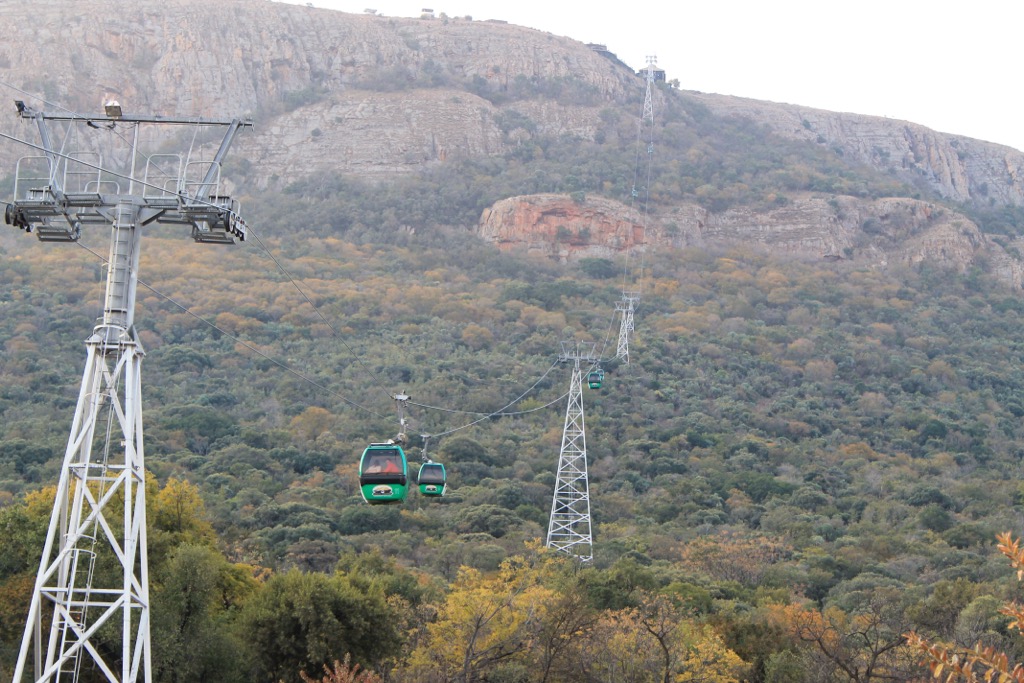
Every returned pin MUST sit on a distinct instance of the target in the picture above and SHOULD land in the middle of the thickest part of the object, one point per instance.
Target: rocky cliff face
(374, 95)
(878, 232)
(348, 93)
(183, 57)
(954, 167)
(378, 96)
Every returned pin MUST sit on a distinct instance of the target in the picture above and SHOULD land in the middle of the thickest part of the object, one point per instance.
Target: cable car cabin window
(383, 465)
(388, 462)
(431, 474)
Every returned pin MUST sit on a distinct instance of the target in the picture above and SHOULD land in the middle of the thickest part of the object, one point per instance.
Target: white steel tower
(626, 307)
(93, 575)
(648, 113)
(569, 525)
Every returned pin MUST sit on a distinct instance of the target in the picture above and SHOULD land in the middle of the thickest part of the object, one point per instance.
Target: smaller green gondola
(383, 474)
(433, 480)
(595, 378)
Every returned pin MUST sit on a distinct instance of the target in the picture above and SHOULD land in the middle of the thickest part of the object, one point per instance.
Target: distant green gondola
(433, 480)
(383, 474)
(595, 378)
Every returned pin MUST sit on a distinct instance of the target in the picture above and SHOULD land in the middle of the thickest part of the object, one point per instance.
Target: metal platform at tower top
(93, 575)
(56, 194)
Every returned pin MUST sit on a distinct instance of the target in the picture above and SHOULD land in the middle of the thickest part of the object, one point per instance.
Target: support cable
(255, 235)
(276, 261)
(648, 112)
(367, 369)
(243, 343)
(498, 414)
(633, 194)
(249, 230)
(323, 318)
(35, 96)
(473, 412)
(607, 336)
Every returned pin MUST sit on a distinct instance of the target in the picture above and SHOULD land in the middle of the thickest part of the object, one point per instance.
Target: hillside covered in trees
(792, 445)
(803, 460)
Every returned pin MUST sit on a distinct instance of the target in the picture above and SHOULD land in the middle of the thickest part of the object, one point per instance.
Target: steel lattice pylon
(93, 573)
(81, 530)
(569, 526)
(626, 307)
(648, 113)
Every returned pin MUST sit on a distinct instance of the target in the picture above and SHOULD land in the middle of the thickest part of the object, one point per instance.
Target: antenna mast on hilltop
(94, 572)
(569, 524)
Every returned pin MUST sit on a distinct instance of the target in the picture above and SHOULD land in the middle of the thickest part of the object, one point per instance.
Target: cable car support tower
(569, 526)
(630, 299)
(625, 307)
(93, 574)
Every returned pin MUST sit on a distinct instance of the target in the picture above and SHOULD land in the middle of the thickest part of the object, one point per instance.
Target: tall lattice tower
(93, 573)
(648, 113)
(569, 526)
(625, 307)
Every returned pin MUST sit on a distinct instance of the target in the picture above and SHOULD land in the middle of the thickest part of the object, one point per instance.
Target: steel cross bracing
(626, 306)
(569, 526)
(648, 114)
(93, 573)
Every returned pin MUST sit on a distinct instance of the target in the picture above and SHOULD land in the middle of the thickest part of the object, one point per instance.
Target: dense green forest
(801, 462)
(793, 444)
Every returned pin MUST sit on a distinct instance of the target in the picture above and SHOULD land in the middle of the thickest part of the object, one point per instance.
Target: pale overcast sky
(952, 66)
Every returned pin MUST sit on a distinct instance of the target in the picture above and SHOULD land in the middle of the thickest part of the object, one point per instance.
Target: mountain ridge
(381, 98)
(955, 166)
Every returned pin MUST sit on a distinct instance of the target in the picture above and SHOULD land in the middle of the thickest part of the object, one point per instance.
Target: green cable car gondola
(432, 479)
(383, 473)
(595, 378)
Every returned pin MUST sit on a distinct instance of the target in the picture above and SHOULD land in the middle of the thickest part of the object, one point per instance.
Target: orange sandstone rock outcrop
(874, 232)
